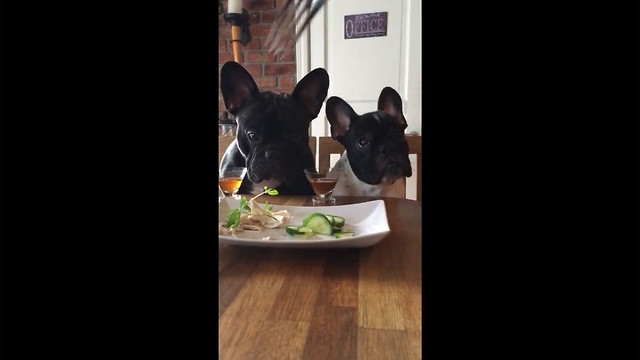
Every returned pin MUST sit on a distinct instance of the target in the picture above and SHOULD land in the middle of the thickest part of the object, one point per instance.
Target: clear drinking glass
(220, 193)
(230, 179)
(323, 181)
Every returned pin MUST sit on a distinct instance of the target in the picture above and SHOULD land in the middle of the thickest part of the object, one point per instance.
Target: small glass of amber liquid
(230, 179)
(322, 180)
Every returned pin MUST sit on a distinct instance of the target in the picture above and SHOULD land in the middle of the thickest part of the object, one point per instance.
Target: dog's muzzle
(271, 164)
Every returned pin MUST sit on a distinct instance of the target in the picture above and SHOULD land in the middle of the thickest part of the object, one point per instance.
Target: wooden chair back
(328, 146)
(415, 147)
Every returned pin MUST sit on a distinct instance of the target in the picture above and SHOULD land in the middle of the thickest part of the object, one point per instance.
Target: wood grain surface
(278, 303)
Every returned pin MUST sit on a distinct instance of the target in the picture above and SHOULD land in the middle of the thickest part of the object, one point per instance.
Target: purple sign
(365, 25)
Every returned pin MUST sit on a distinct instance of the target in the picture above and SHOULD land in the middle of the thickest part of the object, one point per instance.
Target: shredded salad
(249, 216)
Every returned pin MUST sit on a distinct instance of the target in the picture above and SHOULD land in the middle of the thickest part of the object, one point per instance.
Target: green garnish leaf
(233, 220)
(244, 205)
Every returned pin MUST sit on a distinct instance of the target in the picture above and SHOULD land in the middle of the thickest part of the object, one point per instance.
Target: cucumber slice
(312, 215)
(292, 230)
(318, 223)
(338, 221)
(330, 218)
(299, 231)
(304, 229)
(337, 229)
(305, 232)
(341, 235)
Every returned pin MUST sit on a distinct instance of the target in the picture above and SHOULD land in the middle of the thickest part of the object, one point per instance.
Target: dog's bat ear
(339, 114)
(391, 103)
(312, 90)
(237, 86)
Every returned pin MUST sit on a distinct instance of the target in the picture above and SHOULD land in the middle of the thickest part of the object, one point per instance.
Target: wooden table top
(278, 303)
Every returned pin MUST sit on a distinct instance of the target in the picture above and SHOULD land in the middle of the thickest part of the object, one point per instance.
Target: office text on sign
(365, 25)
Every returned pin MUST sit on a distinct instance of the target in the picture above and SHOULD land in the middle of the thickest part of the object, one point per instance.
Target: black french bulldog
(376, 150)
(272, 139)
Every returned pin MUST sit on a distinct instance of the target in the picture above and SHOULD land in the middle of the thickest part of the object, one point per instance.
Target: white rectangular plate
(367, 220)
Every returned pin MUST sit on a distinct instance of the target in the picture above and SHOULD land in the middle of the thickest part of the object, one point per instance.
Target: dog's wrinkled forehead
(269, 110)
(378, 120)
(375, 126)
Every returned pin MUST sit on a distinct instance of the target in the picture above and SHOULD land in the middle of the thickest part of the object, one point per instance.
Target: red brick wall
(271, 72)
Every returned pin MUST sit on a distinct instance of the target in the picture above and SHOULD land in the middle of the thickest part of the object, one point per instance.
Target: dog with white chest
(376, 158)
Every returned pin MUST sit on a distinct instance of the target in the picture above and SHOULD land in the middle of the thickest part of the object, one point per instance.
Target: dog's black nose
(385, 149)
(271, 155)
(390, 148)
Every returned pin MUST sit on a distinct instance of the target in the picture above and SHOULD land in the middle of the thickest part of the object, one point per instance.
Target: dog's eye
(362, 142)
(252, 136)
